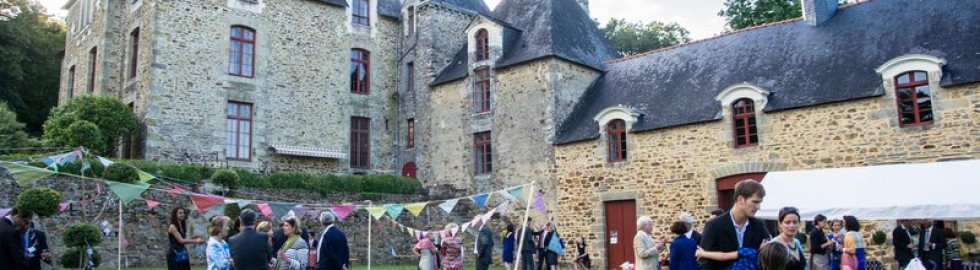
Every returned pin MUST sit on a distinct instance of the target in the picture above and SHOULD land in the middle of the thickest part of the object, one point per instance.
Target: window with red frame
(92, 56)
(914, 98)
(481, 90)
(744, 123)
(360, 142)
(360, 12)
(482, 153)
(360, 71)
(242, 52)
(71, 82)
(616, 134)
(134, 43)
(238, 131)
(482, 46)
(410, 141)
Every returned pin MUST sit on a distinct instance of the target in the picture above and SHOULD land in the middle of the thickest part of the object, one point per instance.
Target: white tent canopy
(937, 190)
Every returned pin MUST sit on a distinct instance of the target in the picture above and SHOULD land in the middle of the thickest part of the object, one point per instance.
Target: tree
(636, 37)
(113, 119)
(748, 13)
(30, 68)
(11, 132)
(41, 201)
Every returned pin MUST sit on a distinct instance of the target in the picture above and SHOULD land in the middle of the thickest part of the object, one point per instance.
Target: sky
(700, 17)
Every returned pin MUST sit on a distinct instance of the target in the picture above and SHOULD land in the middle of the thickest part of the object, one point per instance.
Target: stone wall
(102, 33)
(673, 170)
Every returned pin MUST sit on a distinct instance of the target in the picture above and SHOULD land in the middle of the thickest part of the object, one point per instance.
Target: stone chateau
(465, 98)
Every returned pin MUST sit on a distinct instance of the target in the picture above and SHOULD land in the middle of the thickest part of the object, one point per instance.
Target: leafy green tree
(120, 172)
(30, 68)
(40, 200)
(113, 119)
(85, 133)
(11, 132)
(226, 178)
(636, 37)
(748, 13)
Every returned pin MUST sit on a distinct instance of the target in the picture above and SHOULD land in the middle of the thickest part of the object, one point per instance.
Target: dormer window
(746, 131)
(482, 46)
(360, 13)
(914, 98)
(616, 138)
(614, 123)
(742, 104)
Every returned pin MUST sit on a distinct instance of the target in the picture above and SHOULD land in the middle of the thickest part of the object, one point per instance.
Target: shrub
(70, 259)
(80, 233)
(113, 119)
(11, 132)
(968, 237)
(85, 133)
(226, 178)
(186, 173)
(41, 200)
(879, 237)
(120, 172)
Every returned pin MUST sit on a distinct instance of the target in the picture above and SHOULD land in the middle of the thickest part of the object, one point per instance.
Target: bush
(968, 237)
(879, 237)
(11, 132)
(185, 173)
(77, 234)
(70, 259)
(85, 133)
(41, 200)
(121, 172)
(226, 178)
(113, 119)
(76, 167)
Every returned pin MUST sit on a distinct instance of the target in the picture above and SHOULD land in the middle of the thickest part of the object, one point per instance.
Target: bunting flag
(486, 217)
(152, 204)
(394, 222)
(127, 192)
(85, 166)
(480, 200)
(52, 161)
(144, 176)
(376, 211)
(411, 231)
(105, 162)
(555, 245)
(299, 210)
(516, 192)
(125, 242)
(394, 210)
(280, 209)
(443, 234)
(455, 230)
(539, 203)
(174, 191)
(98, 188)
(63, 206)
(264, 208)
(448, 205)
(415, 208)
(24, 175)
(341, 211)
(202, 201)
(4, 211)
(505, 194)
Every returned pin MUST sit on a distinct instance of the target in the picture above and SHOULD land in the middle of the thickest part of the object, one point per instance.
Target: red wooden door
(620, 230)
(409, 170)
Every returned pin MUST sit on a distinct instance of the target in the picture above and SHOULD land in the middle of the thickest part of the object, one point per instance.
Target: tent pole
(520, 241)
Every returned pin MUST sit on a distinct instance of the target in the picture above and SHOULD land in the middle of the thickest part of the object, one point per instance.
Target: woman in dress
(426, 249)
(853, 258)
(789, 226)
(177, 234)
(582, 259)
(836, 235)
(294, 253)
(218, 252)
(682, 249)
(509, 239)
(454, 249)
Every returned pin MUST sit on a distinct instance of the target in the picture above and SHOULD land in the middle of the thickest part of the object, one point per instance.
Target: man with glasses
(736, 229)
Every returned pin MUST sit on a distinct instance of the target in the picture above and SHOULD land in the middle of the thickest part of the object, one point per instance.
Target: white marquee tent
(937, 190)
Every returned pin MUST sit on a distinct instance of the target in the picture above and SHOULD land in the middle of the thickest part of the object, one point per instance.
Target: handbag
(180, 256)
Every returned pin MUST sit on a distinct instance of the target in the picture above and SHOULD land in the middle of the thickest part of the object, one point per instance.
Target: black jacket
(39, 241)
(250, 250)
(719, 235)
(485, 244)
(901, 240)
(696, 236)
(11, 247)
(333, 253)
(529, 247)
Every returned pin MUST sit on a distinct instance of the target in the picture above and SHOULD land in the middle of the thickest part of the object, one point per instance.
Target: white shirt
(476, 249)
(319, 244)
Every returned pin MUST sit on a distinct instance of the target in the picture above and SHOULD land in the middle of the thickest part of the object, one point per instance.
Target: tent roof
(937, 190)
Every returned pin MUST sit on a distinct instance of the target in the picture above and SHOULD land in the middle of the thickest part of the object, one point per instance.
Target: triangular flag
(299, 210)
(443, 234)
(394, 210)
(105, 161)
(243, 203)
(539, 203)
(376, 211)
(415, 208)
(486, 217)
(504, 194)
(4, 211)
(411, 232)
(98, 188)
(85, 166)
(264, 208)
(455, 230)
(280, 209)
(555, 245)
(203, 201)
(63, 206)
(151, 204)
(174, 191)
(480, 200)
(341, 211)
(145, 176)
(516, 192)
(448, 205)
(394, 222)
(24, 175)
(127, 192)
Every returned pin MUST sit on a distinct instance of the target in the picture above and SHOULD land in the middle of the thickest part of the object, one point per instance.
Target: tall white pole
(369, 238)
(520, 241)
(120, 234)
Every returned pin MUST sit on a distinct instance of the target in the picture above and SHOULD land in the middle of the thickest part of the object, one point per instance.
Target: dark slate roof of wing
(390, 8)
(799, 65)
(342, 3)
(474, 6)
(457, 69)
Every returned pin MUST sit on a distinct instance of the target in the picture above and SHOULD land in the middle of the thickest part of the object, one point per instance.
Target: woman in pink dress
(453, 246)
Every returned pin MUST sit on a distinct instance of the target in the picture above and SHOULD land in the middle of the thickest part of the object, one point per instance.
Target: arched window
(482, 46)
(914, 98)
(360, 12)
(242, 52)
(360, 71)
(616, 136)
(744, 123)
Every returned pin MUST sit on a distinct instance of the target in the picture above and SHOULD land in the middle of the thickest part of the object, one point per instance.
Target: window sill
(483, 113)
(484, 176)
(618, 164)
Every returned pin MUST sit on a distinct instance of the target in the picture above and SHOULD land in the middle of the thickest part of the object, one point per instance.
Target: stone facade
(674, 169)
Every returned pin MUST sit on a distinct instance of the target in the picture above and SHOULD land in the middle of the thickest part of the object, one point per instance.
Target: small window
(238, 131)
(481, 90)
(360, 142)
(744, 123)
(410, 141)
(360, 12)
(134, 43)
(92, 57)
(482, 46)
(71, 82)
(411, 21)
(914, 98)
(242, 52)
(616, 135)
(249, 2)
(482, 153)
(360, 71)
(410, 77)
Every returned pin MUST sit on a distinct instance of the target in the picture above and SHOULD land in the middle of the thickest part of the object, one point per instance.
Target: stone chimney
(585, 5)
(816, 12)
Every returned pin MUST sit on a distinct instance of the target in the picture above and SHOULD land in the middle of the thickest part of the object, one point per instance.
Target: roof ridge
(725, 34)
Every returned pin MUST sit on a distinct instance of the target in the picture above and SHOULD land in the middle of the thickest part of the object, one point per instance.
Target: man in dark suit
(12, 228)
(38, 249)
(333, 252)
(931, 246)
(543, 239)
(484, 245)
(528, 246)
(902, 240)
(250, 249)
(736, 228)
(691, 232)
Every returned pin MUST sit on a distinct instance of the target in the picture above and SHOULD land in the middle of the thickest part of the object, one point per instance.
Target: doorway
(620, 229)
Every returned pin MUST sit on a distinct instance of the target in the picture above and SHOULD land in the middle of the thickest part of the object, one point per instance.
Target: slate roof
(341, 3)
(474, 6)
(558, 28)
(799, 64)
(390, 8)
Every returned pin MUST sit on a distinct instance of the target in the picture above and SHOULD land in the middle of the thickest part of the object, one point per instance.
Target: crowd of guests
(22, 246)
